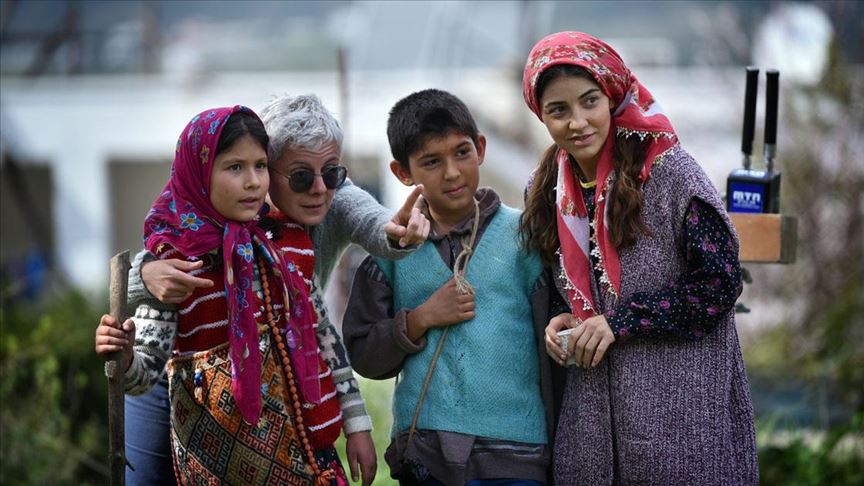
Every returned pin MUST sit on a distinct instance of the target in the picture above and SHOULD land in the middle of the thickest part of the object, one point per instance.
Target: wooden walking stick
(116, 389)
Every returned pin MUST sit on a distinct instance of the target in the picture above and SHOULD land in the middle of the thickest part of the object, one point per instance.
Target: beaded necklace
(323, 478)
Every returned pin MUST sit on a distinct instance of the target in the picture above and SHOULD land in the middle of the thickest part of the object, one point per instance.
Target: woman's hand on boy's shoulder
(409, 226)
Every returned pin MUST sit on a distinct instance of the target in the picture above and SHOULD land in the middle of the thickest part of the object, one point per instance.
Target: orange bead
(286, 362)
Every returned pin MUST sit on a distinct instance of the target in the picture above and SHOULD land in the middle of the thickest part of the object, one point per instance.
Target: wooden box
(766, 238)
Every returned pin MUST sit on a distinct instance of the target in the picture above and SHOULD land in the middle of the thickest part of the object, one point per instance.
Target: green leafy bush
(53, 393)
(811, 459)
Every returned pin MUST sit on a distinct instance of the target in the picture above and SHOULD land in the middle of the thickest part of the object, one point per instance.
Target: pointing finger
(405, 211)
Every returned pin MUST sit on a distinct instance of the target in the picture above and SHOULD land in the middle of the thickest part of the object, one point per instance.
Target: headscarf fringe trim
(642, 134)
(568, 285)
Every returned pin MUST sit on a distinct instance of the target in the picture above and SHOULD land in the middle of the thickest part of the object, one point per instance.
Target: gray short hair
(299, 122)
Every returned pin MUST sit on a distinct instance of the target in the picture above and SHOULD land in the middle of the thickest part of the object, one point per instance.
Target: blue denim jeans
(148, 437)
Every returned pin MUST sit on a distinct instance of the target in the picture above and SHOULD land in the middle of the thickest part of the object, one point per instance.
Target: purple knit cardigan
(661, 411)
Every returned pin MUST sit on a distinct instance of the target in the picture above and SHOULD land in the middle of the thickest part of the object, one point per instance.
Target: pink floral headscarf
(634, 112)
(183, 218)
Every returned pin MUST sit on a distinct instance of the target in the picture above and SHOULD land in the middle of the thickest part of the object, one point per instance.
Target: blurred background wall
(93, 95)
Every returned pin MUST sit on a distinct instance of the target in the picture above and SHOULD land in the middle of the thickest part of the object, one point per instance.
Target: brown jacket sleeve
(544, 300)
(375, 334)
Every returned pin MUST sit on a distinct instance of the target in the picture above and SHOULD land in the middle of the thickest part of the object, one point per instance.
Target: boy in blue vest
(483, 414)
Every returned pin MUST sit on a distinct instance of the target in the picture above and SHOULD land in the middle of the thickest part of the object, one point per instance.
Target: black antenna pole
(749, 114)
(772, 89)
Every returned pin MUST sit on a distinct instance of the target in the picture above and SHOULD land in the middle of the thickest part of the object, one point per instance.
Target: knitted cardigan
(661, 411)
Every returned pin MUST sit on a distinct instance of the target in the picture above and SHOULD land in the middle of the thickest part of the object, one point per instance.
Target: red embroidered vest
(203, 324)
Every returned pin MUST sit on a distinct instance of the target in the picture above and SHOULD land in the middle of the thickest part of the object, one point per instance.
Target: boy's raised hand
(111, 338)
(168, 281)
(445, 307)
(409, 226)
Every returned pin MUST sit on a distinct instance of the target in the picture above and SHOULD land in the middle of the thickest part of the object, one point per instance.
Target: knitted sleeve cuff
(618, 324)
(136, 377)
(400, 334)
(399, 250)
(137, 293)
(357, 424)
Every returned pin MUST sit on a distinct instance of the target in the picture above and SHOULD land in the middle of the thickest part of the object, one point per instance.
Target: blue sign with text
(746, 197)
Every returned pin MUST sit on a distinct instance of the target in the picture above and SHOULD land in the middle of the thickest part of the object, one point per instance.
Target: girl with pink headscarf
(251, 399)
(645, 260)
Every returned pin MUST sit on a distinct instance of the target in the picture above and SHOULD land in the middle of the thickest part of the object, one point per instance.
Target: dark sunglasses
(301, 180)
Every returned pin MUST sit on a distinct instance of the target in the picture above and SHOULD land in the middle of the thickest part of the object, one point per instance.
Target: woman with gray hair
(307, 181)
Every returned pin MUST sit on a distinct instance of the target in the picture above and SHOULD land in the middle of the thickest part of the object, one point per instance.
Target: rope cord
(460, 267)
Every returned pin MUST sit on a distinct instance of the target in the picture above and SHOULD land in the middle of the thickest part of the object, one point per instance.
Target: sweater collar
(489, 204)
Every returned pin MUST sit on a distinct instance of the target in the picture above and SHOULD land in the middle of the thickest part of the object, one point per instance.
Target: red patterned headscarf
(183, 218)
(634, 113)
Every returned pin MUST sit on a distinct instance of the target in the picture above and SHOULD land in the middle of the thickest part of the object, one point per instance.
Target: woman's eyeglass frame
(299, 180)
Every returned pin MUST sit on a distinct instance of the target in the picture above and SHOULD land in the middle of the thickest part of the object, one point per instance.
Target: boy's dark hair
(426, 114)
(241, 123)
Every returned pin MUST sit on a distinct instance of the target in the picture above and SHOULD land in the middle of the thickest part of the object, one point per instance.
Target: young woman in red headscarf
(252, 402)
(646, 262)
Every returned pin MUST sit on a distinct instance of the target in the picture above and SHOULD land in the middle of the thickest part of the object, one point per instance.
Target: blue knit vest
(487, 380)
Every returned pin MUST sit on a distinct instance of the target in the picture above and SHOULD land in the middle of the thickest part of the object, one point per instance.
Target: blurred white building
(91, 149)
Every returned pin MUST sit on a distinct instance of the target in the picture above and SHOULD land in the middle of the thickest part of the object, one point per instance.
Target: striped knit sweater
(202, 324)
(157, 329)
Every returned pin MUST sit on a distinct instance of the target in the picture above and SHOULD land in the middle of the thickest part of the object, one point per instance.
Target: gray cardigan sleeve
(137, 293)
(376, 334)
(354, 217)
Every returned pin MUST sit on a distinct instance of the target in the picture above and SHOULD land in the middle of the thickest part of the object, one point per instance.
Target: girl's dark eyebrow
(554, 102)
(559, 102)
(236, 159)
(588, 92)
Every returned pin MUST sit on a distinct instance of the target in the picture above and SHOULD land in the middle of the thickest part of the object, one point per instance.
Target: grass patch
(378, 396)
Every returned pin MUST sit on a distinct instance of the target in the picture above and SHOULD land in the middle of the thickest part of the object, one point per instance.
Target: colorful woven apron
(211, 442)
